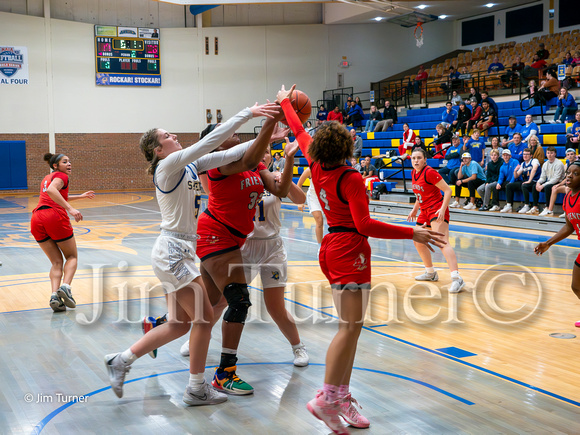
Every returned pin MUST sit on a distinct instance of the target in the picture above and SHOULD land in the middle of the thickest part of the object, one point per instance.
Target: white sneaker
(552, 121)
(524, 209)
(494, 208)
(455, 204)
(533, 210)
(301, 358)
(563, 215)
(207, 395)
(506, 209)
(426, 276)
(457, 285)
(117, 369)
(558, 121)
(470, 206)
(184, 350)
(546, 212)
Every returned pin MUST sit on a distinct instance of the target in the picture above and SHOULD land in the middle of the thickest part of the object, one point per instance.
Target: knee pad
(238, 298)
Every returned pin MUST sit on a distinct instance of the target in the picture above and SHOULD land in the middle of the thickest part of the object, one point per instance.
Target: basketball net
(419, 38)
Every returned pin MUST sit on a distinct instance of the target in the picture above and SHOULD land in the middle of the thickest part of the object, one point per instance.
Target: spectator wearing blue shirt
(470, 174)
(574, 135)
(506, 176)
(355, 114)
(530, 129)
(476, 147)
(453, 157)
(566, 105)
(495, 66)
(487, 191)
(449, 116)
(517, 147)
(321, 115)
(512, 128)
(452, 82)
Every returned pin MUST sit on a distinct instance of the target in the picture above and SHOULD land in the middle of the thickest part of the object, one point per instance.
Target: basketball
(301, 104)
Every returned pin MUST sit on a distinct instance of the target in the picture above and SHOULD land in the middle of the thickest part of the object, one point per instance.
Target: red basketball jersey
(45, 199)
(233, 198)
(572, 208)
(425, 189)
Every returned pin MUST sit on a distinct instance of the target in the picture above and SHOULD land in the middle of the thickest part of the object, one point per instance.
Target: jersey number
(261, 216)
(255, 198)
(197, 204)
(418, 195)
(324, 199)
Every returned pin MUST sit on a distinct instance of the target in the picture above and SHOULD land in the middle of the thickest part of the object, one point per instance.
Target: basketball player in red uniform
(344, 256)
(51, 228)
(427, 187)
(572, 209)
(235, 190)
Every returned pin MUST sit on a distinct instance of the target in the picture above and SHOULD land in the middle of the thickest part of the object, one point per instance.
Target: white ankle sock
(196, 380)
(297, 346)
(128, 357)
(455, 274)
(430, 269)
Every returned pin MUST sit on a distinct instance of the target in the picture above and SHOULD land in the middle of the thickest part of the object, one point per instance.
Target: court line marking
(42, 424)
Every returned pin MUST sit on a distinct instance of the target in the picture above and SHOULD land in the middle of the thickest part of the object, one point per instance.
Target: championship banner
(13, 65)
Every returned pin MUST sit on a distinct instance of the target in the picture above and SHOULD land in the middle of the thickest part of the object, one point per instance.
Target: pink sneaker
(577, 324)
(327, 412)
(351, 414)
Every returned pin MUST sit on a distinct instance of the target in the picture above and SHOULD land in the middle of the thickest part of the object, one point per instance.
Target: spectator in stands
(419, 144)
(536, 69)
(357, 144)
(463, 116)
(389, 117)
(374, 118)
(573, 138)
(470, 174)
(452, 80)
(493, 146)
(495, 66)
(568, 59)
(278, 163)
(408, 141)
(512, 75)
(335, 115)
(473, 93)
(449, 115)
(456, 98)
(358, 102)
(530, 172)
(369, 172)
(576, 60)
(566, 106)
(529, 129)
(354, 115)
(549, 87)
(531, 90)
(355, 164)
(420, 80)
(464, 76)
(487, 190)
(322, 115)
(441, 141)
(542, 53)
(506, 177)
(475, 115)
(485, 97)
(517, 148)
(347, 104)
(553, 171)
(561, 187)
(475, 146)
(536, 149)
(488, 117)
(453, 157)
(512, 127)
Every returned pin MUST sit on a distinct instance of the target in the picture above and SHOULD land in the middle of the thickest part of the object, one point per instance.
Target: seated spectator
(549, 87)
(488, 117)
(487, 190)
(408, 141)
(517, 148)
(464, 77)
(453, 157)
(308, 128)
(419, 144)
(513, 127)
(475, 115)
(494, 145)
(441, 141)
(495, 66)
(420, 79)
(456, 98)
(542, 53)
(573, 138)
(536, 69)
(463, 116)
(358, 102)
(553, 172)
(354, 115)
(278, 163)
(335, 115)
(536, 149)
(512, 75)
(529, 171)
(453, 81)
(485, 97)
(531, 90)
(470, 174)
(355, 164)
(576, 60)
(322, 115)
(357, 144)
(475, 146)
(561, 187)
(473, 93)
(529, 129)
(368, 172)
(374, 118)
(389, 117)
(506, 177)
(568, 59)
(347, 103)
(566, 106)
(449, 115)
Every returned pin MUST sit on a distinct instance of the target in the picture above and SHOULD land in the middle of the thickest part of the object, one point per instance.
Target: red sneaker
(350, 414)
(328, 412)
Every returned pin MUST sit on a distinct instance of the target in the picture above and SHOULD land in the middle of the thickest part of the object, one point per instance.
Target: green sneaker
(227, 381)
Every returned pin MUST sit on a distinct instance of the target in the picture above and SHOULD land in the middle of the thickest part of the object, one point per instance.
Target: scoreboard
(127, 56)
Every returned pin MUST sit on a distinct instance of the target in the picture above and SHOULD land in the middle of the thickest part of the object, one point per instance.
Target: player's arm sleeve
(178, 160)
(222, 158)
(353, 191)
(303, 138)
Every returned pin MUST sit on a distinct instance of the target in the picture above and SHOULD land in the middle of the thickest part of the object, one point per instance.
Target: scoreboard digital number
(127, 56)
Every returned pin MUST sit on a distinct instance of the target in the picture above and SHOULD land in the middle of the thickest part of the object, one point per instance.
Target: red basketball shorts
(345, 258)
(430, 214)
(215, 238)
(50, 223)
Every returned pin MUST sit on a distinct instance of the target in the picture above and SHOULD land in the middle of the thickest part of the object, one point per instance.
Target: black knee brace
(238, 298)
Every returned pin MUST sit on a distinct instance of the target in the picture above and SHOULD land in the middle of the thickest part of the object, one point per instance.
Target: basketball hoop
(419, 38)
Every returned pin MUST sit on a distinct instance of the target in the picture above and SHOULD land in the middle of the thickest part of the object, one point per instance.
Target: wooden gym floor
(482, 361)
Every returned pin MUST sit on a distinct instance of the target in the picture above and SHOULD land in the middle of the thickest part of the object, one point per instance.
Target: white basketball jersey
(267, 219)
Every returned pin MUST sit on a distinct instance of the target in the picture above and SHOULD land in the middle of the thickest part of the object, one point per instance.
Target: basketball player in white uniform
(313, 205)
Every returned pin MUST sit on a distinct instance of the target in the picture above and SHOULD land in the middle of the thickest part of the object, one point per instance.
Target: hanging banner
(13, 65)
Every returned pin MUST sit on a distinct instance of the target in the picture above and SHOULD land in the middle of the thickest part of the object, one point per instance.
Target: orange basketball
(301, 104)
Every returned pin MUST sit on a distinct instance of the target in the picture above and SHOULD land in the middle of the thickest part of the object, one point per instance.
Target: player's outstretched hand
(279, 133)
(88, 195)
(283, 93)
(428, 237)
(76, 214)
(291, 148)
(412, 216)
(541, 248)
(269, 110)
